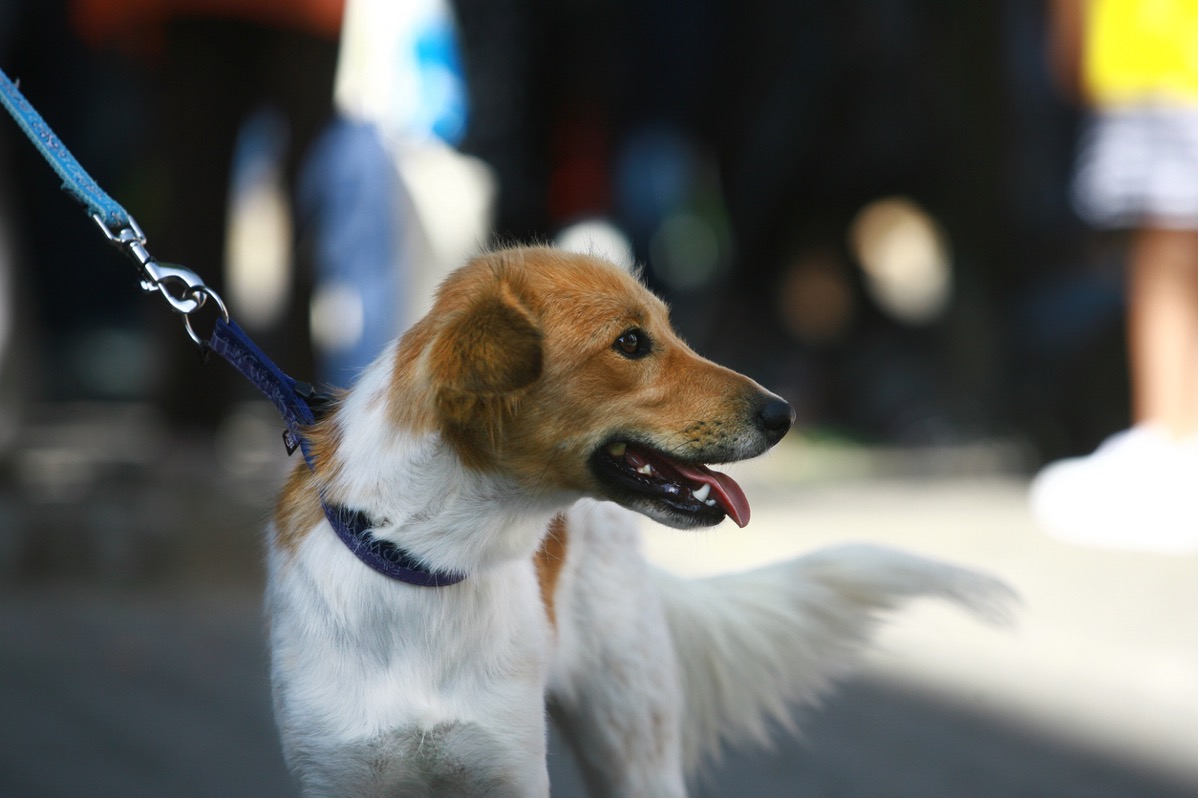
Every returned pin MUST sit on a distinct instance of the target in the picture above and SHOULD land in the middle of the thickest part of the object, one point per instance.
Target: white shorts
(1138, 168)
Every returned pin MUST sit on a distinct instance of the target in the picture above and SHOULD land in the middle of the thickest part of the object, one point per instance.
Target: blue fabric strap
(76, 181)
(231, 343)
(352, 527)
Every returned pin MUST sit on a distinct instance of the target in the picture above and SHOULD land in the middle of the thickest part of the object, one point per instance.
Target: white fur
(749, 645)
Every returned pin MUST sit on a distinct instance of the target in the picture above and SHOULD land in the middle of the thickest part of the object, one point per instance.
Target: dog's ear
(491, 349)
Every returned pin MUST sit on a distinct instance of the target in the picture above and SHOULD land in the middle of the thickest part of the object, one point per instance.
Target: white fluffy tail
(751, 644)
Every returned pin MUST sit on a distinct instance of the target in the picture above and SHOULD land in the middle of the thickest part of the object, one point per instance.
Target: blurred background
(865, 205)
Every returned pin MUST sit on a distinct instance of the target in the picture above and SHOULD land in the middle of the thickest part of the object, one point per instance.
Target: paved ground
(132, 658)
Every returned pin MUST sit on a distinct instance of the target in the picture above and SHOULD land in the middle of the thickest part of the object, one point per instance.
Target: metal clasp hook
(182, 288)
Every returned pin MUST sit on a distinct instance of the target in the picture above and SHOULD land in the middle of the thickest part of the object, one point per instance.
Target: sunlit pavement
(133, 663)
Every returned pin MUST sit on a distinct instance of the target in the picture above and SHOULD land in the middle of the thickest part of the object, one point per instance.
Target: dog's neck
(415, 489)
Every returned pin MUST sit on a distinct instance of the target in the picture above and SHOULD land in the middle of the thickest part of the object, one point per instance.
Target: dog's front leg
(614, 690)
(621, 716)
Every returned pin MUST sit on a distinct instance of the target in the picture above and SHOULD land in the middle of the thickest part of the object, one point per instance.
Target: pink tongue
(724, 489)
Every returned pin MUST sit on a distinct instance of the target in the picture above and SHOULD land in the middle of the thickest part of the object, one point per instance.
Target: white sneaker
(1140, 490)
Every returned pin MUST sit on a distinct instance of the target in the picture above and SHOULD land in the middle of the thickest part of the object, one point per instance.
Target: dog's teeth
(702, 492)
(617, 449)
(711, 502)
(645, 470)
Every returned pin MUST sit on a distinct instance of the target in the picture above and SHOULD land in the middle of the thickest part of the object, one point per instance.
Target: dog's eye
(634, 343)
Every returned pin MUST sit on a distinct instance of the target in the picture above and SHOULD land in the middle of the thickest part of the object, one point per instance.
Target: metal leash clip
(182, 288)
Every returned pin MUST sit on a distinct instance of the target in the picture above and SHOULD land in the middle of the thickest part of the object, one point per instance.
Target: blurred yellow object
(1142, 52)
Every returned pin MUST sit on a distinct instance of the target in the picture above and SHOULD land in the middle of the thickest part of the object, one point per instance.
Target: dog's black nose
(776, 417)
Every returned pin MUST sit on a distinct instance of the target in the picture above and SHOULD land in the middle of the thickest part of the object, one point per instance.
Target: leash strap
(186, 293)
(76, 181)
(231, 343)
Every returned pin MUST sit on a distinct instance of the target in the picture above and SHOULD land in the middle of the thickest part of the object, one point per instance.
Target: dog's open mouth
(691, 494)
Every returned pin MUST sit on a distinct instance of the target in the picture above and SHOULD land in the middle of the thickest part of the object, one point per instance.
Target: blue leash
(76, 182)
(187, 293)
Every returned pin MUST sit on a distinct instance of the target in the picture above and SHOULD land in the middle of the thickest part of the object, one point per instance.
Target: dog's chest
(360, 655)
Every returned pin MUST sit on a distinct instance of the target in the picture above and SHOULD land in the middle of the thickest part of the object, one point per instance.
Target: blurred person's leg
(1162, 329)
(1140, 488)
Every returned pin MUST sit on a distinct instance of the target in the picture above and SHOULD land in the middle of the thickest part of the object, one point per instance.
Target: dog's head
(562, 371)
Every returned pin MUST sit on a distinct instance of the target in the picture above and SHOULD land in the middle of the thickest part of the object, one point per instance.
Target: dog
(509, 438)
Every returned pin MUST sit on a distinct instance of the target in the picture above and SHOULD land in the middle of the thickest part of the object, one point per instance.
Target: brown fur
(550, 416)
(549, 560)
(297, 511)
